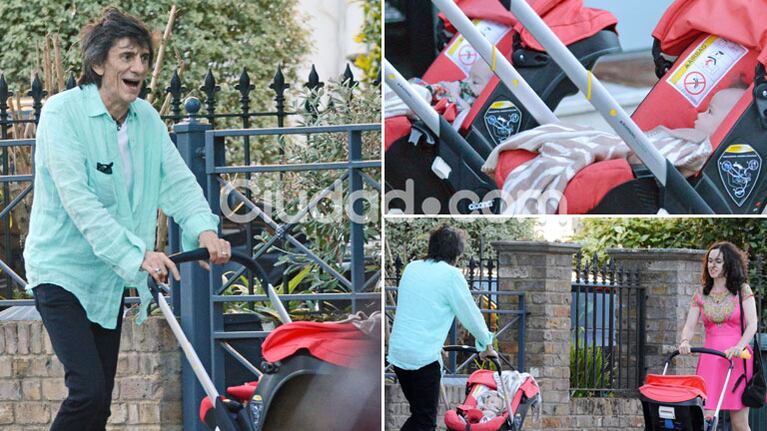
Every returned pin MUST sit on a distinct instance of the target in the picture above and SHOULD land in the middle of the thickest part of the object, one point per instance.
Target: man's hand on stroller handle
(488, 353)
(158, 265)
(219, 249)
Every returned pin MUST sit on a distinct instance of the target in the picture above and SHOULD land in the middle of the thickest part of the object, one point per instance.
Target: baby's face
(494, 402)
(721, 105)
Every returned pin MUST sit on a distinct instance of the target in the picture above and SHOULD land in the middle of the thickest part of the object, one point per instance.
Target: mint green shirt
(88, 232)
(430, 295)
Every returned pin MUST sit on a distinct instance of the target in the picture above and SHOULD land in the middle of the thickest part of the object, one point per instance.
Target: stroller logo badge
(739, 168)
(502, 119)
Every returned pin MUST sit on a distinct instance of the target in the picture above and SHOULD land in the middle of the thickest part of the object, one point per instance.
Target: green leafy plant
(591, 370)
(370, 36)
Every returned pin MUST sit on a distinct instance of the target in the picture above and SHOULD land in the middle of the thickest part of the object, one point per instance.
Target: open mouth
(132, 84)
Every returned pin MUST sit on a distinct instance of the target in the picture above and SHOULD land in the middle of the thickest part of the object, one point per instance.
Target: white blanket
(538, 185)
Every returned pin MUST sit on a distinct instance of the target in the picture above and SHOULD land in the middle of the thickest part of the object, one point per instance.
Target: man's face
(123, 72)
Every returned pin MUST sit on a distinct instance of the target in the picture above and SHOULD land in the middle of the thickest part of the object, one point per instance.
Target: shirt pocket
(103, 185)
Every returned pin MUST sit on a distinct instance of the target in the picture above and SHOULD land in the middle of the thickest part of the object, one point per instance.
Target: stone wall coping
(542, 247)
(665, 253)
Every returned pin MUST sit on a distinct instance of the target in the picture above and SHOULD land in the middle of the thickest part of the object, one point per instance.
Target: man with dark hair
(104, 164)
(432, 293)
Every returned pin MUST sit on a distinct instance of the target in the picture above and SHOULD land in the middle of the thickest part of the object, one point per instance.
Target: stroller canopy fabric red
(569, 19)
(741, 21)
(340, 344)
(673, 389)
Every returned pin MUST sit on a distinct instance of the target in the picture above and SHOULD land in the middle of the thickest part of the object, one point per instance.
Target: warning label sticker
(463, 54)
(705, 67)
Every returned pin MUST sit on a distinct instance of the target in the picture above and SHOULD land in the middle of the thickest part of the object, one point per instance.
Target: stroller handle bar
(745, 354)
(472, 349)
(237, 257)
(223, 419)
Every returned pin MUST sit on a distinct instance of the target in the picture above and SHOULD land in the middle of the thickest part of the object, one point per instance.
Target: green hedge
(224, 35)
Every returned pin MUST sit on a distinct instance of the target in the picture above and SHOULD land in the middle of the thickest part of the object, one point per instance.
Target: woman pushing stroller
(432, 292)
(723, 300)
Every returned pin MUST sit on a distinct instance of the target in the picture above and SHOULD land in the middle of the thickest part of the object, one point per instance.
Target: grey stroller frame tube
(663, 170)
(497, 62)
(708, 351)
(191, 355)
(438, 125)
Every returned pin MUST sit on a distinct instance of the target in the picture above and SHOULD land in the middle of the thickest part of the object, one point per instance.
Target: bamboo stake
(16, 114)
(58, 63)
(162, 220)
(161, 53)
(47, 71)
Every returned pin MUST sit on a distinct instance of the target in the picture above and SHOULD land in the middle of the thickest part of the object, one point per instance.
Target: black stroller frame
(692, 418)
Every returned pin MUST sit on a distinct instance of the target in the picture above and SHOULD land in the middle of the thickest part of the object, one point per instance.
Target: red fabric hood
(740, 21)
(337, 343)
(569, 19)
(673, 389)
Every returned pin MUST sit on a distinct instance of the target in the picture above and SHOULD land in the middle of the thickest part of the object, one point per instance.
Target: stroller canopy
(341, 344)
(673, 389)
(569, 19)
(740, 21)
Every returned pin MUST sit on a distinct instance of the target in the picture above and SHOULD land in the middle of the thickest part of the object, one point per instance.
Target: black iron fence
(608, 328)
(504, 312)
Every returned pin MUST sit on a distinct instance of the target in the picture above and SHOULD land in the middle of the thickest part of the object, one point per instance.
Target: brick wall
(606, 414)
(147, 394)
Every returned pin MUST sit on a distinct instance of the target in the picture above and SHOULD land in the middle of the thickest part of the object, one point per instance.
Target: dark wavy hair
(735, 267)
(446, 243)
(98, 36)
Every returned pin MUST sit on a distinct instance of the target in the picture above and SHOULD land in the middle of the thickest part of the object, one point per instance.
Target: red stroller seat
(467, 416)
(686, 30)
(589, 33)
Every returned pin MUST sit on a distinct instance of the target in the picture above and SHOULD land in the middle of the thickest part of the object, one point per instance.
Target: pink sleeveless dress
(721, 318)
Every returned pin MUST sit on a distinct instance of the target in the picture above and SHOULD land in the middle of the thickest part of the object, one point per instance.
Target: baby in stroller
(495, 401)
(563, 150)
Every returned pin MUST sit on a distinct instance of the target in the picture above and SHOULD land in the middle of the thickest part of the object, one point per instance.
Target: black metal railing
(608, 328)
(504, 312)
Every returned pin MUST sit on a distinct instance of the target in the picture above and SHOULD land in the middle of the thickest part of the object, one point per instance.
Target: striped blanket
(537, 186)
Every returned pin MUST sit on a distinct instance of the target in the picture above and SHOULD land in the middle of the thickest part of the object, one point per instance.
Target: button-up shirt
(431, 294)
(88, 233)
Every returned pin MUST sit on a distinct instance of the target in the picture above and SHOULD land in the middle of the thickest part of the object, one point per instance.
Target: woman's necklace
(716, 305)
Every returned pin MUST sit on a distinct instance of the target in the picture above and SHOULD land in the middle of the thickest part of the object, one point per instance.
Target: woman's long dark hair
(446, 244)
(735, 267)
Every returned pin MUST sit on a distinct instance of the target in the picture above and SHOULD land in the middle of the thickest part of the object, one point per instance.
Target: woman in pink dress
(716, 303)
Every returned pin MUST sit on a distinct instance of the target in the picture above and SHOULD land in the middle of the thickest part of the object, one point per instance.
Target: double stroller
(309, 369)
(700, 47)
(517, 395)
(676, 402)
